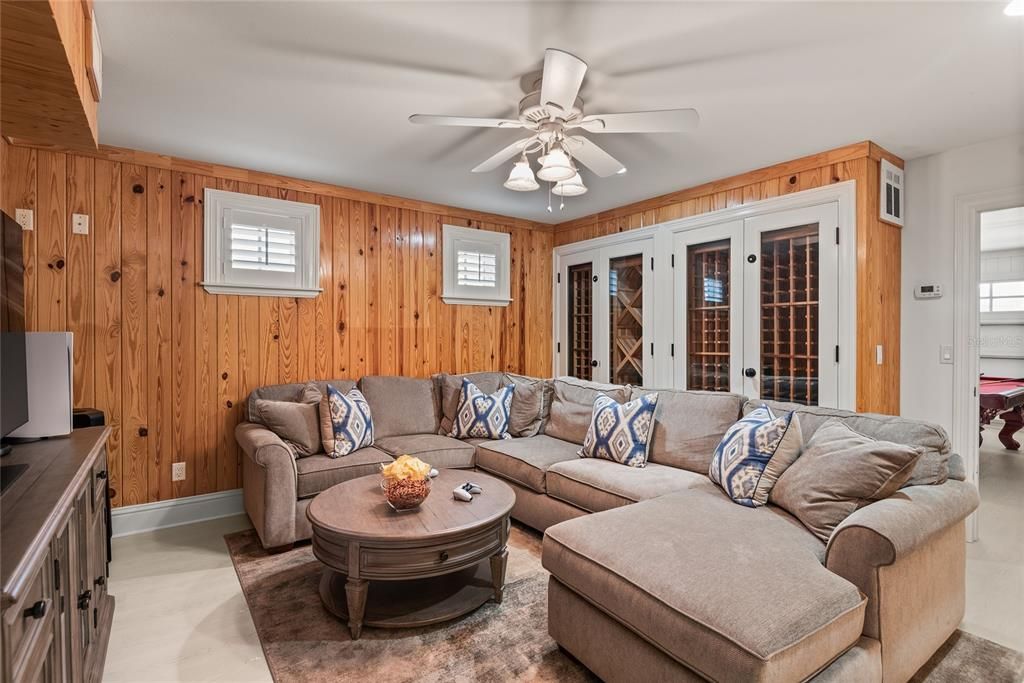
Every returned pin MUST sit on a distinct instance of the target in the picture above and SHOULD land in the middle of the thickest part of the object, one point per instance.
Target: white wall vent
(891, 198)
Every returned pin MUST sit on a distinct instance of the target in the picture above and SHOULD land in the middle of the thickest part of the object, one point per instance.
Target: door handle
(593, 363)
(749, 372)
(37, 610)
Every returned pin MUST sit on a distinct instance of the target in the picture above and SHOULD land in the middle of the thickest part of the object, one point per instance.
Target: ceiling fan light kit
(521, 177)
(553, 114)
(555, 166)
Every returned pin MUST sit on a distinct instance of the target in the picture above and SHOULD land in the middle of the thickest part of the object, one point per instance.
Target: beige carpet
(507, 642)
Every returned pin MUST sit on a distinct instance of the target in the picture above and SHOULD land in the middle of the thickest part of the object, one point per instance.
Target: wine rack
(707, 316)
(789, 315)
(581, 340)
(626, 292)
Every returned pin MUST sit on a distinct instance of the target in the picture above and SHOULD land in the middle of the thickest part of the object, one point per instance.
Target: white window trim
(500, 242)
(215, 281)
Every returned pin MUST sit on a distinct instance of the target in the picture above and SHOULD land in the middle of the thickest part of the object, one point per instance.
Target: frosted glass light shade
(573, 187)
(555, 166)
(521, 178)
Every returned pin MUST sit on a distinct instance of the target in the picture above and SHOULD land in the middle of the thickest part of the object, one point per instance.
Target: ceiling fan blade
(664, 121)
(593, 157)
(504, 155)
(563, 76)
(435, 120)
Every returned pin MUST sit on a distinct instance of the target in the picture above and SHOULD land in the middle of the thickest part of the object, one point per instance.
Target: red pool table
(1002, 396)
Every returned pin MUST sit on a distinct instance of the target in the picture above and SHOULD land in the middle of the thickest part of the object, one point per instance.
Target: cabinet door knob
(37, 610)
(749, 372)
(84, 599)
(101, 475)
(444, 555)
(100, 580)
(593, 363)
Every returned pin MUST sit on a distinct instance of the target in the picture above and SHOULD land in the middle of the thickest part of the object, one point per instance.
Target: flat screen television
(13, 371)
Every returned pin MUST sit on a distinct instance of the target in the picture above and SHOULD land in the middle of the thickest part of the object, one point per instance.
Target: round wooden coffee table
(440, 561)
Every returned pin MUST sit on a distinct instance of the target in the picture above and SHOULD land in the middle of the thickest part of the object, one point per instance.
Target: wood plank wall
(878, 245)
(171, 365)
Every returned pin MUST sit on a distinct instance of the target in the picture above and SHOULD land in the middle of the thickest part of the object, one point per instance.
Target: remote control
(432, 473)
(472, 488)
(462, 494)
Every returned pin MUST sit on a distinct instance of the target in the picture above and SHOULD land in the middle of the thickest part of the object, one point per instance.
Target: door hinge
(56, 574)
(559, 278)
(672, 350)
(673, 260)
(559, 347)
(837, 235)
(837, 353)
(652, 263)
(652, 348)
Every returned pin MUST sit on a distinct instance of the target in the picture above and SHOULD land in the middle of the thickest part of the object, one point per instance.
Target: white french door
(791, 306)
(606, 322)
(708, 315)
(756, 306)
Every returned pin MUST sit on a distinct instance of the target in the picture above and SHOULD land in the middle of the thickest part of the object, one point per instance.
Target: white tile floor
(181, 615)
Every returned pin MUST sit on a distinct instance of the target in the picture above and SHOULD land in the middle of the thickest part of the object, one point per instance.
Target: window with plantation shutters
(260, 246)
(476, 267)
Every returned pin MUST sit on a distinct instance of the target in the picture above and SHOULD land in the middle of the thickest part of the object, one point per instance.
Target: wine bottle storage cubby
(626, 294)
(707, 303)
(581, 339)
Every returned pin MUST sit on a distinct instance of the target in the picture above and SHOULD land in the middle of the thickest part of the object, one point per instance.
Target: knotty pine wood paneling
(171, 365)
(878, 245)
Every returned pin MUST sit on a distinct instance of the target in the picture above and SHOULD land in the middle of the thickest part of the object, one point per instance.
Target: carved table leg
(498, 563)
(1012, 422)
(355, 594)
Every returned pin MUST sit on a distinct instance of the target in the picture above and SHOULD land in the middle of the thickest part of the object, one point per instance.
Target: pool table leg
(1013, 420)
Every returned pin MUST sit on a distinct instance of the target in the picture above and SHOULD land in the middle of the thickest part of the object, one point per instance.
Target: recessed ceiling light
(1015, 9)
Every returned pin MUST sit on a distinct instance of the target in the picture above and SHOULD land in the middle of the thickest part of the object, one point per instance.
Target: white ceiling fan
(553, 114)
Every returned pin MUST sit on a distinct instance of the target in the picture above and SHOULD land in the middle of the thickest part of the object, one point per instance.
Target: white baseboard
(135, 519)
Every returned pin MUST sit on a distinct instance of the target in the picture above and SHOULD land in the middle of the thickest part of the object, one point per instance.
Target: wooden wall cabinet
(56, 609)
(45, 59)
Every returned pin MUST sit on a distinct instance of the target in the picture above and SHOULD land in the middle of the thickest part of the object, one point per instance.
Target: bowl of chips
(406, 482)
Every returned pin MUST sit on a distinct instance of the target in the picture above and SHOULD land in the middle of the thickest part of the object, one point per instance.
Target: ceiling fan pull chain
(549, 197)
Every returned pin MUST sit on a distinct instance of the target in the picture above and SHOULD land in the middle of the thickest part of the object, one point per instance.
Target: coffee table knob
(444, 555)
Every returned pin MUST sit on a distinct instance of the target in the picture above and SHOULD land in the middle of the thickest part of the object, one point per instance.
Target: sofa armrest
(885, 531)
(269, 483)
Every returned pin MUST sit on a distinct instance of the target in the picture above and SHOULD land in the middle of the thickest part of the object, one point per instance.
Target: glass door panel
(581, 320)
(791, 324)
(626, 319)
(707, 316)
(789, 314)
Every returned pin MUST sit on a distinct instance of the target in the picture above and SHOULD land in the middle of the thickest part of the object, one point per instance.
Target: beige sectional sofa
(670, 579)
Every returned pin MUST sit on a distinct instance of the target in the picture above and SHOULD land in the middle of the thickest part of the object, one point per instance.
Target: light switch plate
(177, 471)
(878, 354)
(25, 218)
(946, 354)
(80, 223)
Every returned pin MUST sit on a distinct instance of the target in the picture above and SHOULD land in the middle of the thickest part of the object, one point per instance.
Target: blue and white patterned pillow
(620, 431)
(754, 453)
(345, 422)
(480, 416)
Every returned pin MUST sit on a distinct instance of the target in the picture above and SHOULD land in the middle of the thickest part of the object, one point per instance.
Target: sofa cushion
(620, 432)
(933, 465)
(319, 472)
(401, 405)
(449, 391)
(839, 472)
(572, 405)
(480, 415)
(596, 485)
(689, 424)
(436, 450)
(531, 404)
(295, 392)
(346, 424)
(735, 593)
(754, 453)
(298, 424)
(525, 461)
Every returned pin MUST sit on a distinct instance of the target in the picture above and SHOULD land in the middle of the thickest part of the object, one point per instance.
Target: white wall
(933, 184)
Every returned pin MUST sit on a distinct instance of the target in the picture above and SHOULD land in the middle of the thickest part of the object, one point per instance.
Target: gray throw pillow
(530, 404)
(838, 472)
(298, 424)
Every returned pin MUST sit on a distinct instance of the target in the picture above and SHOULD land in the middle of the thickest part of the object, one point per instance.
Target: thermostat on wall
(927, 291)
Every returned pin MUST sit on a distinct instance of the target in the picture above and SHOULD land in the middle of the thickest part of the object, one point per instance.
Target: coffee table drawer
(429, 560)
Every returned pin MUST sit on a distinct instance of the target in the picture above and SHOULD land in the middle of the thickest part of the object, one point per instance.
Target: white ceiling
(1003, 229)
(322, 90)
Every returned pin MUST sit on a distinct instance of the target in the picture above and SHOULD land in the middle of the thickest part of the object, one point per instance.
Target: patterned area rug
(507, 642)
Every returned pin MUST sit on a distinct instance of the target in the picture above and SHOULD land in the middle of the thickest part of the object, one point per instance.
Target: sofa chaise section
(729, 592)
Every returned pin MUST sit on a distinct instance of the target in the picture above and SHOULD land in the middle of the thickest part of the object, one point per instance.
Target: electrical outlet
(177, 471)
(80, 223)
(24, 218)
(946, 354)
